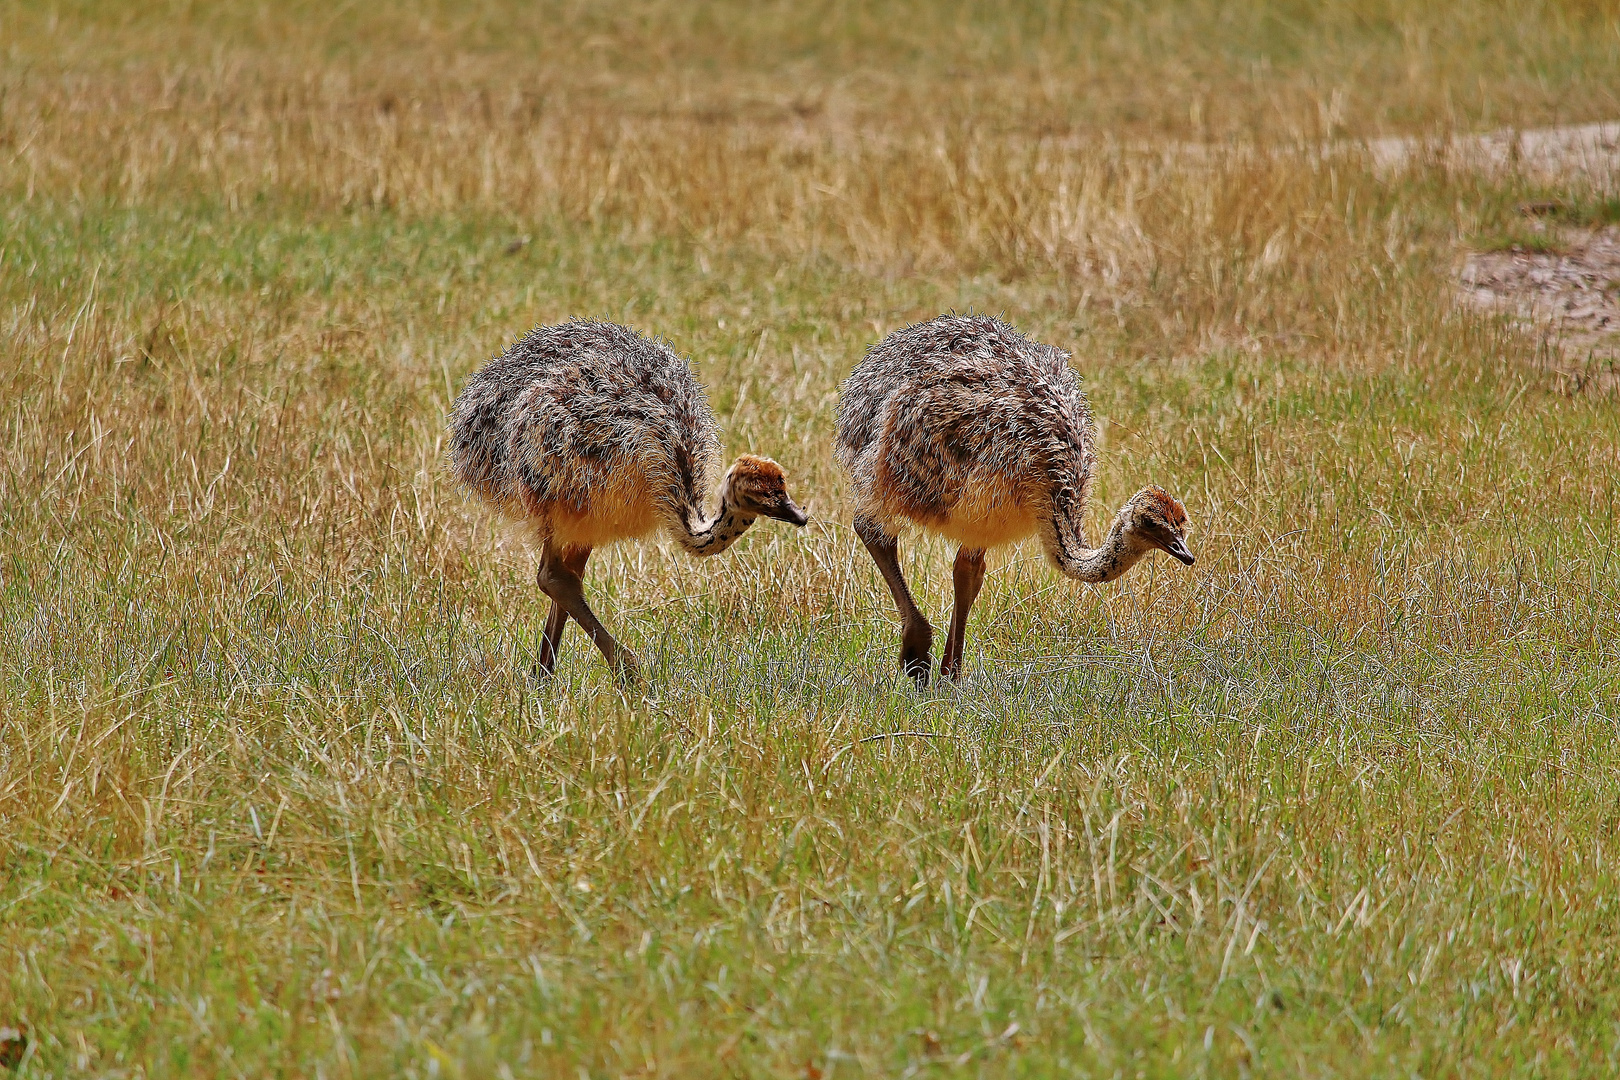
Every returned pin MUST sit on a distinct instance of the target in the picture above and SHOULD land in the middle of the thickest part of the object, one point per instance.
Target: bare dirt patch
(1563, 282)
(1593, 149)
(1571, 293)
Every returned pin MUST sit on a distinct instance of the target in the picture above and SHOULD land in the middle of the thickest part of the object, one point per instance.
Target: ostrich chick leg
(968, 577)
(573, 559)
(561, 582)
(916, 636)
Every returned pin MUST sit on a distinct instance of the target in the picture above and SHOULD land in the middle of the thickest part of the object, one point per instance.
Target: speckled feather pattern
(965, 426)
(590, 431)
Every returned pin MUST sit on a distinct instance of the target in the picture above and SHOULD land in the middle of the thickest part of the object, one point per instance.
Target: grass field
(279, 797)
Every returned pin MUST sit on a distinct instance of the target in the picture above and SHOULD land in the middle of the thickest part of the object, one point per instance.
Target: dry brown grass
(276, 792)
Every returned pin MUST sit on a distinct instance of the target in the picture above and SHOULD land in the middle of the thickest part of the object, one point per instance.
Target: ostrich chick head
(1156, 519)
(757, 486)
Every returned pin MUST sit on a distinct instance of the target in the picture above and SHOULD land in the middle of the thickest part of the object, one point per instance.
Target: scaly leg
(573, 558)
(559, 577)
(916, 636)
(968, 576)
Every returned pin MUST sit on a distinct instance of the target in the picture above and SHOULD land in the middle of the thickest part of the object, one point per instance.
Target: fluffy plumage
(967, 428)
(590, 433)
(964, 426)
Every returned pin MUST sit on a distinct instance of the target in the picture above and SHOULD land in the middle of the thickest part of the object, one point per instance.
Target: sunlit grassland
(278, 794)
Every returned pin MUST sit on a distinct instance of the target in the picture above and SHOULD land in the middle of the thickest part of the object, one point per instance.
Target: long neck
(713, 536)
(1067, 548)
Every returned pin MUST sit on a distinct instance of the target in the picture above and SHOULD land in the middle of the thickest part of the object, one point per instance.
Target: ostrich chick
(969, 429)
(590, 433)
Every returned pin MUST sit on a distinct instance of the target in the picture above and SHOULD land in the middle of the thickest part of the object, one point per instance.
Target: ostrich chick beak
(789, 511)
(1178, 550)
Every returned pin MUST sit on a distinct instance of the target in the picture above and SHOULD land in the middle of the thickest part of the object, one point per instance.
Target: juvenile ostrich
(589, 433)
(969, 429)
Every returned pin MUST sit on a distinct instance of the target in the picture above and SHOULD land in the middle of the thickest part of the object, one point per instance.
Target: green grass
(1522, 239)
(278, 795)
(1533, 218)
(1595, 211)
